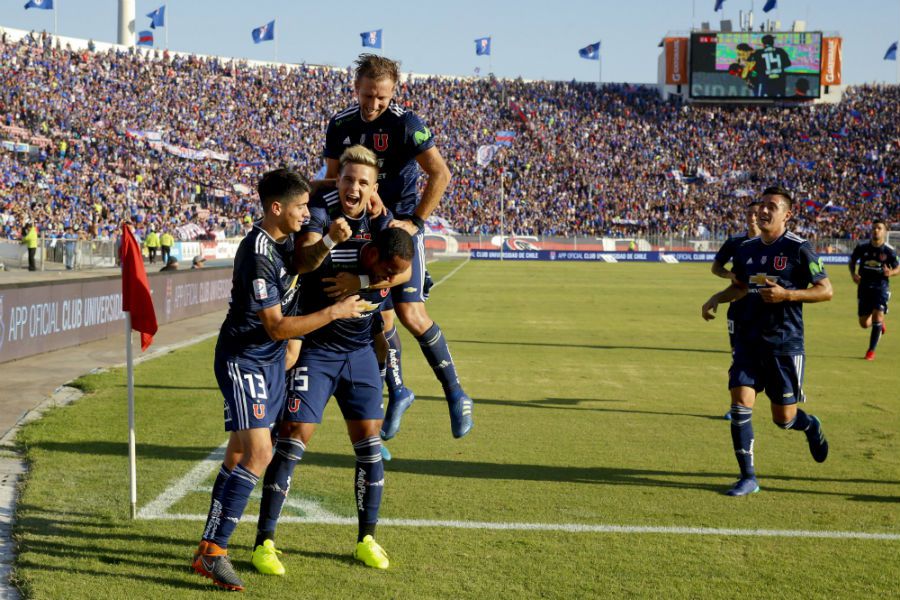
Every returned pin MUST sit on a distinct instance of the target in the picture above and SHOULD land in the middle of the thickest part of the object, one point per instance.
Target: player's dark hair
(744, 47)
(878, 220)
(281, 184)
(768, 40)
(777, 190)
(375, 67)
(394, 241)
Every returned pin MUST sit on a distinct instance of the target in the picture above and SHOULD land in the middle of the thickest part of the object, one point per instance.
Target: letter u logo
(259, 411)
(294, 405)
(381, 141)
(780, 262)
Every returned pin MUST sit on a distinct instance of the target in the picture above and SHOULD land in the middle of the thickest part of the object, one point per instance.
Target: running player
(777, 271)
(877, 262)
(340, 358)
(724, 256)
(403, 144)
(250, 356)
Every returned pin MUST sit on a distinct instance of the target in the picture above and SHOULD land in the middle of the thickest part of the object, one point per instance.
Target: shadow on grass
(592, 346)
(96, 447)
(199, 585)
(575, 404)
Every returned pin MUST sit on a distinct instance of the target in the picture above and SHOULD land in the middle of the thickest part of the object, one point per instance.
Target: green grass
(599, 395)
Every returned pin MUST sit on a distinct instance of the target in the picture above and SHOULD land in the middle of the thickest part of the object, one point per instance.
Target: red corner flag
(136, 289)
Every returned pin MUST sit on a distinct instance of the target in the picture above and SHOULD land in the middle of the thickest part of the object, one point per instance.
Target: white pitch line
(450, 274)
(574, 527)
(158, 507)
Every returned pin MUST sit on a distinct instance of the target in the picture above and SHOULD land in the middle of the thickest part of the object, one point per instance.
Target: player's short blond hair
(359, 155)
(377, 67)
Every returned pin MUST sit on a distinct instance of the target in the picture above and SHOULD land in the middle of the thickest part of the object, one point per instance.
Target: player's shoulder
(890, 248)
(794, 239)
(344, 116)
(748, 241)
(324, 198)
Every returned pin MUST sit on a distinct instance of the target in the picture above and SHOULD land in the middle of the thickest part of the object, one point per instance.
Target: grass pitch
(599, 400)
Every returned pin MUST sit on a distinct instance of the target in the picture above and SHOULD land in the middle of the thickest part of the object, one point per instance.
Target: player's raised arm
(820, 291)
(313, 247)
(280, 327)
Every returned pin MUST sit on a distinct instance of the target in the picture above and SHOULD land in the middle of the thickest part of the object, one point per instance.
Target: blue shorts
(352, 377)
(414, 289)
(254, 394)
(781, 376)
(869, 299)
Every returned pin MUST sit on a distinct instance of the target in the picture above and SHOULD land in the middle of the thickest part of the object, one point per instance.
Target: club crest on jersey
(259, 411)
(780, 262)
(384, 292)
(380, 141)
(294, 405)
(882, 257)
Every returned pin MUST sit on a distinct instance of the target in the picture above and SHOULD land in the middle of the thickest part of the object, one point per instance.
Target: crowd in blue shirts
(108, 132)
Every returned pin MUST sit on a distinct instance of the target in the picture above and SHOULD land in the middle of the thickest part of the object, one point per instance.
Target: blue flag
(371, 39)
(591, 52)
(40, 4)
(505, 138)
(719, 4)
(145, 38)
(158, 17)
(265, 33)
(891, 53)
(770, 4)
(483, 46)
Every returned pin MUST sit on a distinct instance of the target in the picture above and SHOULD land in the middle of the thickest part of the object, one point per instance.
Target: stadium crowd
(176, 143)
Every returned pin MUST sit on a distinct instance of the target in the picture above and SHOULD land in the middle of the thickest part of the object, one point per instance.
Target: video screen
(748, 65)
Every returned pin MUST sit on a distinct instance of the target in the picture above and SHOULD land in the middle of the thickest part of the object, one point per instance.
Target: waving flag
(136, 297)
(591, 52)
(40, 4)
(485, 154)
(158, 17)
(770, 5)
(371, 39)
(719, 4)
(145, 38)
(891, 53)
(505, 138)
(265, 33)
(483, 46)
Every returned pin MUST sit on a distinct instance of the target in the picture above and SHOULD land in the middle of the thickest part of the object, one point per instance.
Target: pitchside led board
(747, 65)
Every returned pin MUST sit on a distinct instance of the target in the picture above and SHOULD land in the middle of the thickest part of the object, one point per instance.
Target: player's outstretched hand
(339, 231)
(708, 310)
(350, 307)
(773, 293)
(341, 284)
(409, 226)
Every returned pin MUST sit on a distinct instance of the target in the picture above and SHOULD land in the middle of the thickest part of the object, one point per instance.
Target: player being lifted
(877, 262)
(777, 272)
(250, 357)
(402, 143)
(339, 358)
(724, 256)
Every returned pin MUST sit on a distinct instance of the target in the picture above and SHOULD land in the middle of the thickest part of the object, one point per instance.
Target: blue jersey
(871, 260)
(792, 263)
(724, 256)
(397, 137)
(342, 335)
(264, 276)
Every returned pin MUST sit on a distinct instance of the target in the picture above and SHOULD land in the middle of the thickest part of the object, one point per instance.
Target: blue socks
(436, 352)
(368, 481)
(393, 371)
(219, 485)
(225, 513)
(276, 485)
(742, 439)
(875, 336)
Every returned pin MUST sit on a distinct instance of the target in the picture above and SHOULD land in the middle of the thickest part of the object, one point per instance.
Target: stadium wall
(43, 317)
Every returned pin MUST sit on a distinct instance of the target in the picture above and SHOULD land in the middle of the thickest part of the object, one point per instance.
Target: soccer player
(250, 355)
(402, 144)
(877, 262)
(777, 272)
(771, 65)
(724, 256)
(340, 358)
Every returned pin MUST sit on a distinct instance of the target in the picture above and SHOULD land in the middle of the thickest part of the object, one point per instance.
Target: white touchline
(450, 274)
(158, 510)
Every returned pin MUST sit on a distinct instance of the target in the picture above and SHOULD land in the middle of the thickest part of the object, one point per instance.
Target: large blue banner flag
(770, 5)
(158, 17)
(719, 4)
(891, 53)
(483, 46)
(265, 33)
(591, 52)
(40, 4)
(371, 39)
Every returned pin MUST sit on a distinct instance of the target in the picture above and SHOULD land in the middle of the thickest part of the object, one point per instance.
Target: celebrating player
(777, 272)
(724, 256)
(877, 262)
(250, 356)
(771, 65)
(340, 358)
(401, 141)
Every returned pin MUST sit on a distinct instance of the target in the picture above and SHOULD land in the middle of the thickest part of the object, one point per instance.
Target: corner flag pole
(132, 459)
